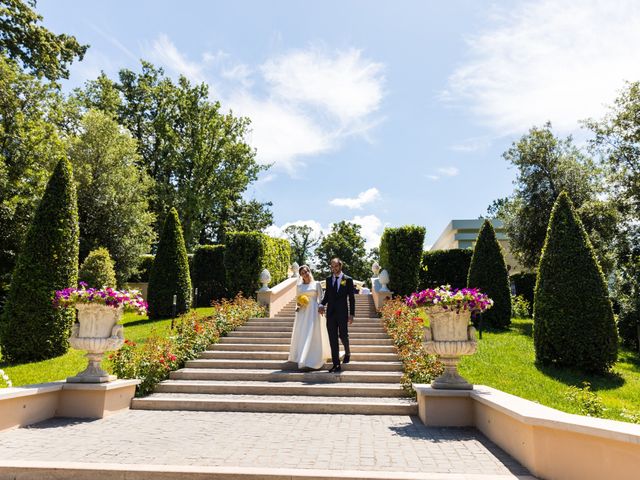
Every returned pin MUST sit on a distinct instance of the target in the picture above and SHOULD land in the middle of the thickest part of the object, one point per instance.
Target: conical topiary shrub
(169, 274)
(97, 269)
(32, 329)
(573, 317)
(488, 272)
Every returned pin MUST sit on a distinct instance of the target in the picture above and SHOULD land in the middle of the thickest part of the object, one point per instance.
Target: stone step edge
(275, 406)
(118, 471)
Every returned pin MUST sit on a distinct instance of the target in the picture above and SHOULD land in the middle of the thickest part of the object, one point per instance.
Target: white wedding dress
(309, 340)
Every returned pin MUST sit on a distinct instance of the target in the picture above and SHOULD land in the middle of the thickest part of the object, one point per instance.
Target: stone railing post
(278, 296)
(379, 289)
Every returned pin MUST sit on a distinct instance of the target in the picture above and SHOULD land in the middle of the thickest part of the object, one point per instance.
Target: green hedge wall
(31, 328)
(629, 324)
(445, 267)
(209, 274)
(573, 316)
(488, 272)
(246, 254)
(525, 285)
(401, 256)
(169, 274)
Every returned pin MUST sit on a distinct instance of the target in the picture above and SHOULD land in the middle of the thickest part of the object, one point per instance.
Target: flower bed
(152, 361)
(405, 328)
(128, 300)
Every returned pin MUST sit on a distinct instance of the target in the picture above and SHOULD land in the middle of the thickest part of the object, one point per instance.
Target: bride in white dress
(309, 340)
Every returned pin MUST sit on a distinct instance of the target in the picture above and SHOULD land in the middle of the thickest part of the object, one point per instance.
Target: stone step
(277, 364)
(283, 355)
(355, 328)
(282, 388)
(284, 347)
(238, 333)
(286, 339)
(277, 404)
(289, 322)
(264, 375)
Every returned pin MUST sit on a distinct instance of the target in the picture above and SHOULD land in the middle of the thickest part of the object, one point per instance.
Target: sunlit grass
(506, 361)
(136, 328)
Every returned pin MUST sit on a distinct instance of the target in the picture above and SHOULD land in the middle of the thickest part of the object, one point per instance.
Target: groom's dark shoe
(347, 358)
(335, 369)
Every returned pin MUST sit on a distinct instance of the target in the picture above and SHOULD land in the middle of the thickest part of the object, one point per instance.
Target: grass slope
(136, 328)
(506, 361)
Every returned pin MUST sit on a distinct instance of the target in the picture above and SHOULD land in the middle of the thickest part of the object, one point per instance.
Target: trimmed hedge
(97, 270)
(488, 272)
(209, 274)
(573, 316)
(169, 274)
(445, 267)
(246, 254)
(401, 256)
(525, 284)
(32, 329)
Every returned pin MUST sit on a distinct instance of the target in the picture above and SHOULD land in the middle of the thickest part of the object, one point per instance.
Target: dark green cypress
(32, 329)
(169, 274)
(573, 316)
(488, 272)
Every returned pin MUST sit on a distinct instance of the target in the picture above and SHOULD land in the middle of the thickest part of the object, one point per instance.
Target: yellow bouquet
(302, 300)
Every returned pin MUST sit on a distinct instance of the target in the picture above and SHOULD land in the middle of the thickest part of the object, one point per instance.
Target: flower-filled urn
(97, 330)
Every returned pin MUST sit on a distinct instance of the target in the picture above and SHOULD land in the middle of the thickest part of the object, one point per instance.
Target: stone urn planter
(449, 336)
(96, 331)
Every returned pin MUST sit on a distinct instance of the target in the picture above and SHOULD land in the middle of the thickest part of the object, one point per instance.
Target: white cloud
(115, 42)
(165, 52)
(433, 177)
(301, 103)
(549, 60)
(368, 196)
(344, 84)
(282, 135)
(371, 229)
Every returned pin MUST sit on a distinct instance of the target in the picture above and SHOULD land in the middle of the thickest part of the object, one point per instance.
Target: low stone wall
(20, 406)
(278, 296)
(552, 444)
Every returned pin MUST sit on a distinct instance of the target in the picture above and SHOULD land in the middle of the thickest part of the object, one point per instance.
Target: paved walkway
(262, 440)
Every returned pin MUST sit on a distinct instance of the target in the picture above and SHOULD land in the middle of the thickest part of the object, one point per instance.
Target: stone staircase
(247, 371)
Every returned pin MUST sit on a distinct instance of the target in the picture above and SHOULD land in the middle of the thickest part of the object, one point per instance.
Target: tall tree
(39, 50)
(303, 242)
(547, 165)
(488, 272)
(112, 193)
(617, 141)
(31, 329)
(196, 155)
(574, 323)
(345, 242)
(169, 274)
(30, 147)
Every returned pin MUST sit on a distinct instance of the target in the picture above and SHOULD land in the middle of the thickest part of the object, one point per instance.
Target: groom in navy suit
(339, 303)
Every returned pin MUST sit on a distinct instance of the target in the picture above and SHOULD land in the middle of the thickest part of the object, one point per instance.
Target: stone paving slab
(314, 442)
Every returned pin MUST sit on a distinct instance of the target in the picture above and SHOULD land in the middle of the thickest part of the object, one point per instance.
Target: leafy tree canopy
(346, 243)
(39, 50)
(547, 165)
(303, 242)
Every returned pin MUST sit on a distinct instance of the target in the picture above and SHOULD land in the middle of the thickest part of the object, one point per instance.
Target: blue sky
(383, 113)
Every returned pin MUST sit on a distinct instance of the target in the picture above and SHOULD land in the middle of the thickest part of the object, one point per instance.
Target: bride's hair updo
(301, 269)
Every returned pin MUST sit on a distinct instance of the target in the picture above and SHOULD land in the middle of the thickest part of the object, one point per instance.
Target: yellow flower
(302, 300)
(343, 283)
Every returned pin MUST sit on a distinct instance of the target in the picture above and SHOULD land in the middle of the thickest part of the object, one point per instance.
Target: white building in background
(463, 234)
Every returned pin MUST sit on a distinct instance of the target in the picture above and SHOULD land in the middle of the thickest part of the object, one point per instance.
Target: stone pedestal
(444, 408)
(95, 400)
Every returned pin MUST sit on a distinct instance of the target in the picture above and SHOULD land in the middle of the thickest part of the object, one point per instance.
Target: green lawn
(136, 328)
(505, 361)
